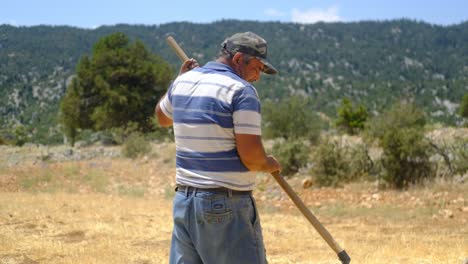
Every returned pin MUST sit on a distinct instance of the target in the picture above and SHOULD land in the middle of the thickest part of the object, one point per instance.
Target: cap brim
(268, 68)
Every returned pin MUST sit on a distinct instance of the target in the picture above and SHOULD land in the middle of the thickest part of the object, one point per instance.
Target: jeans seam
(254, 230)
(190, 206)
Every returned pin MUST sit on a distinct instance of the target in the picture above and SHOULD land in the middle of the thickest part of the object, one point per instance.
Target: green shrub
(335, 163)
(460, 155)
(159, 133)
(86, 137)
(405, 157)
(291, 118)
(21, 135)
(292, 155)
(452, 157)
(118, 135)
(107, 138)
(361, 164)
(135, 145)
(351, 119)
(406, 153)
(7, 137)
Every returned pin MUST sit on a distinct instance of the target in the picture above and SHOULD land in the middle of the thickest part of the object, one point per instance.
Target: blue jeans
(214, 227)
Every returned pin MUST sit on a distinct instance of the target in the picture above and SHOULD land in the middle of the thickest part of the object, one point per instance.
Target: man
(215, 112)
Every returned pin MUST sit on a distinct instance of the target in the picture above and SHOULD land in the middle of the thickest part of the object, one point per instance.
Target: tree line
(371, 63)
(114, 91)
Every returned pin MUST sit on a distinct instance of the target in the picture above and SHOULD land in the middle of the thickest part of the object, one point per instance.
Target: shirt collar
(219, 67)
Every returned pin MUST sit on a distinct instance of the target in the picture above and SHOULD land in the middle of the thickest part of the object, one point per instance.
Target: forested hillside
(373, 63)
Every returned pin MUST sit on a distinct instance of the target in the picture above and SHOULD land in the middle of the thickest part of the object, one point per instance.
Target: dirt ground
(117, 210)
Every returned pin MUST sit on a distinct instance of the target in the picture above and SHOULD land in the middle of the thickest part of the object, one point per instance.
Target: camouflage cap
(252, 44)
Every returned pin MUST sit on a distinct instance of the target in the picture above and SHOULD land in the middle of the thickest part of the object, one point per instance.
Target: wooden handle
(178, 50)
(308, 214)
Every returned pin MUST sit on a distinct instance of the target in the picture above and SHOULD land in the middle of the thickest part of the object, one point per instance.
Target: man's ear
(237, 58)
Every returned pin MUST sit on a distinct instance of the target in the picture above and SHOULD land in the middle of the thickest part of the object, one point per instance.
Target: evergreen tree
(120, 83)
(350, 118)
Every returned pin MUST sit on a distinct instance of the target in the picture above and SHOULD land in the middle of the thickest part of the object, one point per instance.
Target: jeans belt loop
(186, 191)
(229, 193)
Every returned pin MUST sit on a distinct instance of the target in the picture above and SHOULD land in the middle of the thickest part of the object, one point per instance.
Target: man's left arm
(247, 130)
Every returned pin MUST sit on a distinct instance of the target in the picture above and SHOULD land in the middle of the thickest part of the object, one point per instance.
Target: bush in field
(294, 122)
(135, 146)
(108, 137)
(460, 156)
(118, 135)
(292, 155)
(405, 157)
(160, 133)
(454, 155)
(291, 118)
(335, 162)
(5, 137)
(406, 152)
(351, 118)
(21, 135)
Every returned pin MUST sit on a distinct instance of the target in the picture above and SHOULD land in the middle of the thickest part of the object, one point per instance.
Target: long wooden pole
(177, 49)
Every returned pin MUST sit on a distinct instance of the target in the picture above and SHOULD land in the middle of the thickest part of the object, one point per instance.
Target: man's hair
(224, 53)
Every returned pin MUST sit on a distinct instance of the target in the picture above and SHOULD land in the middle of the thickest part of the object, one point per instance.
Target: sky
(95, 13)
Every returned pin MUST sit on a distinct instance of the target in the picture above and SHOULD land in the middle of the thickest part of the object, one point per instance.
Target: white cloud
(273, 12)
(315, 15)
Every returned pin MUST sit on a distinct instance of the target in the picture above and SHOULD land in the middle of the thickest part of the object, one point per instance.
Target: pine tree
(351, 118)
(120, 83)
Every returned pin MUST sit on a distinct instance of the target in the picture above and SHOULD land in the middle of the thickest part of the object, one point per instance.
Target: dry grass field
(117, 210)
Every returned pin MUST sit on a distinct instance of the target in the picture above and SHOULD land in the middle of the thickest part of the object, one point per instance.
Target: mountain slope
(373, 63)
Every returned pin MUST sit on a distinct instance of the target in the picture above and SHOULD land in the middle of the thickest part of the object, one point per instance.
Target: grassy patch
(72, 172)
(267, 208)
(167, 154)
(3, 168)
(43, 179)
(132, 191)
(97, 180)
(169, 192)
(388, 212)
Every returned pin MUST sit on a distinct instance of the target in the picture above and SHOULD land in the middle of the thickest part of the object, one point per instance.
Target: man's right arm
(163, 119)
(252, 154)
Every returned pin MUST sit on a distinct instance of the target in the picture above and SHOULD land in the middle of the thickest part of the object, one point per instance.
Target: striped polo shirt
(208, 105)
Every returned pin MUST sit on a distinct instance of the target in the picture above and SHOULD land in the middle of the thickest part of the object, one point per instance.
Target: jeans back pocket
(216, 211)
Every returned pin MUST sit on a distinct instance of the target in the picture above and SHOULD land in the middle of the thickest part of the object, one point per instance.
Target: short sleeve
(165, 104)
(246, 112)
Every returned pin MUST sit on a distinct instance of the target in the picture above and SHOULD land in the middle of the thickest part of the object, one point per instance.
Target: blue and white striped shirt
(208, 105)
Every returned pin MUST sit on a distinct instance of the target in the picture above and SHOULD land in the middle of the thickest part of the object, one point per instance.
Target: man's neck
(229, 63)
(225, 61)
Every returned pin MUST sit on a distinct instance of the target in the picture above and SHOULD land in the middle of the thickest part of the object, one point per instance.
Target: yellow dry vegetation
(115, 210)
